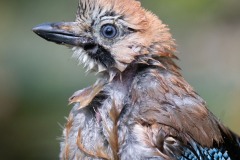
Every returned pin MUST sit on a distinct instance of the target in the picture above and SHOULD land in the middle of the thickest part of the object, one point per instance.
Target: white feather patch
(88, 63)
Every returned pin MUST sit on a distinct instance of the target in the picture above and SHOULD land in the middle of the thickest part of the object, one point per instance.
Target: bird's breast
(92, 128)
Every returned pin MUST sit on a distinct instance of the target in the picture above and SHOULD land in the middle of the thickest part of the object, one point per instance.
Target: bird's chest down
(95, 128)
(137, 119)
(105, 129)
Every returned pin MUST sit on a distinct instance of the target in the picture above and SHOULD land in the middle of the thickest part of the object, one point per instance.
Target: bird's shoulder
(160, 96)
(167, 114)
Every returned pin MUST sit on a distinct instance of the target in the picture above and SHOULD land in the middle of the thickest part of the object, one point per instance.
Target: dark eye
(109, 31)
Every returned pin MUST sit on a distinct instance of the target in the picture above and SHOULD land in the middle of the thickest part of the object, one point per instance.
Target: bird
(140, 107)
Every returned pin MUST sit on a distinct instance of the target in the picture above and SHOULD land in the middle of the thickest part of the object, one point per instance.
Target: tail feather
(232, 145)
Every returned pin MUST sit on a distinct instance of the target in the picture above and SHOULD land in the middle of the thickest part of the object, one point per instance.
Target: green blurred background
(37, 77)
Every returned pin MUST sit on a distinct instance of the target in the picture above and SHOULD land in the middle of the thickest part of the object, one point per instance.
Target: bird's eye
(109, 31)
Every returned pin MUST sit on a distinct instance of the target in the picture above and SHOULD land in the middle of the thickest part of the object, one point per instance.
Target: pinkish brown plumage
(140, 107)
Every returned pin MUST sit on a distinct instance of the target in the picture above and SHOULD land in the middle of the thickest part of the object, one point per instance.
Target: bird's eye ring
(109, 31)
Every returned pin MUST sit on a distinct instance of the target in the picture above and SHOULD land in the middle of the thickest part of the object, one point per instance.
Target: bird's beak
(62, 33)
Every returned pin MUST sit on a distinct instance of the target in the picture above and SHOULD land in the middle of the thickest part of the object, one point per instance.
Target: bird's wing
(172, 117)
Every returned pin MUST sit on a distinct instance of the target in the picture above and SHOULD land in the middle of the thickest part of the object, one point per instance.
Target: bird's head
(108, 35)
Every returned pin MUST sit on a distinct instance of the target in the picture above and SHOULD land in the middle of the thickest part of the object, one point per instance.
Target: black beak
(63, 33)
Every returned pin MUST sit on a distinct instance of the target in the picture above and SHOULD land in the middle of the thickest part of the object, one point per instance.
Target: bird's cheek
(123, 54)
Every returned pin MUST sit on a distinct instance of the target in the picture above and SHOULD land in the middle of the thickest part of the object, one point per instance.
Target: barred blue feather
(228, 150)
(205, 154)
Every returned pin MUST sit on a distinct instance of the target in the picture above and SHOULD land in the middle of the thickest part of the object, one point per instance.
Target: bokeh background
(37, 77)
